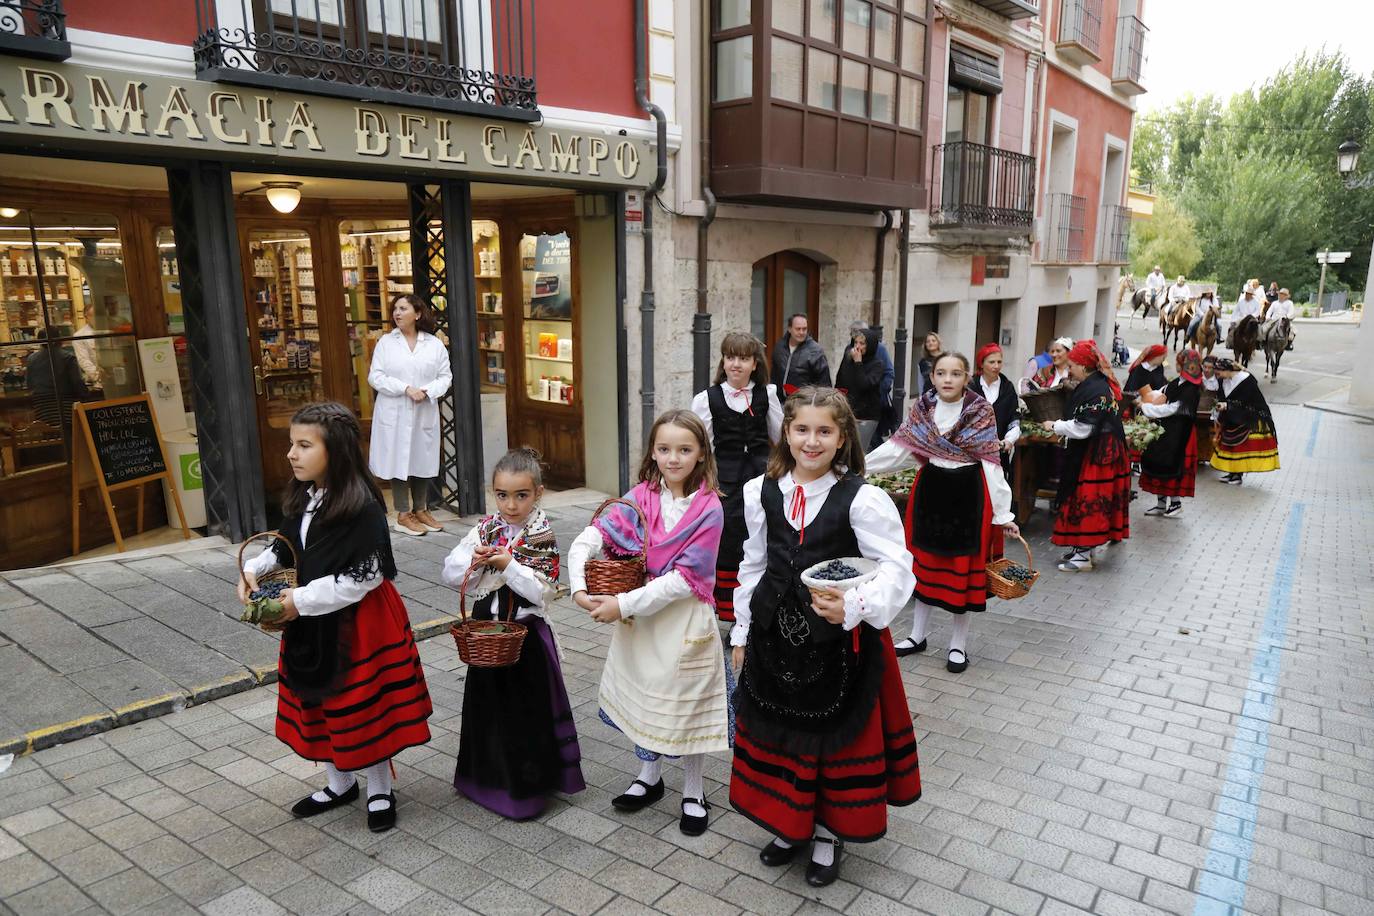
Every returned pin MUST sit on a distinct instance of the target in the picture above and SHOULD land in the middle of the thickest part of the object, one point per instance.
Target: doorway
(989, 322)
(1045, 320)
(784, 284)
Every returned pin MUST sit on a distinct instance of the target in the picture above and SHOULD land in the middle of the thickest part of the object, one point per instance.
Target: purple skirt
(519, 743)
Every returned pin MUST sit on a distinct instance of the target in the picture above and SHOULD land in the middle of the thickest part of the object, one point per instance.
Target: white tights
(958, 637)
(378, 778)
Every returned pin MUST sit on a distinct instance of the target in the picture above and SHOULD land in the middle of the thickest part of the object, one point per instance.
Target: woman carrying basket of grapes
(960, 503)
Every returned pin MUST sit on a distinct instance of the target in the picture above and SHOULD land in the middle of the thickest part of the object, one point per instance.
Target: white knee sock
(823, 853)
(692, 785)
(378, 778)
(920, 622)
(650, 772)
(339, 782)
(958, 637)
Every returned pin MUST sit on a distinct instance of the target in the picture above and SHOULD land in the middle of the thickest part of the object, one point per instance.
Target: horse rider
(1155, 285)
(1206, 300)
(1178, 295)
(1249, 304)
(1282, 307)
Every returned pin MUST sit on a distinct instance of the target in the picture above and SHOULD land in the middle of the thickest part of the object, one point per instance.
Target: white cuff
(739, 634)
(853, 609)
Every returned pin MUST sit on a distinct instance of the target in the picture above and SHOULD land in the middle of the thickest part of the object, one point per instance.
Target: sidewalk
(94, 645)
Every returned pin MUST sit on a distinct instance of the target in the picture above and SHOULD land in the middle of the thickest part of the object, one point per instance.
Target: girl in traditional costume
(960, 502)
(664, 684)
(518, 744)
(351, 690)
(1056, 372)
(1147, 370)
(1169, 464)
(1095, 485)
(992, 385)
(825, 741)
(1247, 441)
(743, 417)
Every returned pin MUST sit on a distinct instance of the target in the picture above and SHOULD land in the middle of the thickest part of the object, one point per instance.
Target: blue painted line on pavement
(1221, 885)
(1312, 436)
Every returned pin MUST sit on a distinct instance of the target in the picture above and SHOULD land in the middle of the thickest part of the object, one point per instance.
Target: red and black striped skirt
(1182, 485)
(847, 791)
(957, 583)
(1099, 510)
(383, 705)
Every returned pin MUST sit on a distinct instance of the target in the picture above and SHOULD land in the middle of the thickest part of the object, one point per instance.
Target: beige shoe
(426, 520)
(406, 524)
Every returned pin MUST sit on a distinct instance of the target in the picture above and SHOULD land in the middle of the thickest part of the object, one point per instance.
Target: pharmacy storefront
(234, 252)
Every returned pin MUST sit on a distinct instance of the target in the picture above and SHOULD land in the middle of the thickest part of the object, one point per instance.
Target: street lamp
(1347, 157)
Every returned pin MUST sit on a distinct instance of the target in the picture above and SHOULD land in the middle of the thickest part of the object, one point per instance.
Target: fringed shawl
(690, 548)
(973, 438)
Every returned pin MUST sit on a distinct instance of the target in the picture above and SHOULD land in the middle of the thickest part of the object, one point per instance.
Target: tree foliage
(1167, 239)
(1257, 174)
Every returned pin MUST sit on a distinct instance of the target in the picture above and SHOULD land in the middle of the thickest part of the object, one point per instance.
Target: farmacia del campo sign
(84, 108)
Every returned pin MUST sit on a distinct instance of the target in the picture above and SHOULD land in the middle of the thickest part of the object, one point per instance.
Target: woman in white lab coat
(410, 372)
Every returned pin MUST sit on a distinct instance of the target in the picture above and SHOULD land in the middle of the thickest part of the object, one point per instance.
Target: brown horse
(1176, 323)
(1244, 338)
(1205, 338)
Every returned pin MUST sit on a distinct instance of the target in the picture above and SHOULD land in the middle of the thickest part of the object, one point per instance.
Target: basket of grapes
(1009, 579)
(264, 606)
(841, 575)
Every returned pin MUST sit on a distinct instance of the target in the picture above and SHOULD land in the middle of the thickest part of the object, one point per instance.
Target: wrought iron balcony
(1012, 9)
(1129, 61)
(34, 28)
(981, 187)
(1080, 30)
(1114, 230)
(472, 56)
(1063, 238)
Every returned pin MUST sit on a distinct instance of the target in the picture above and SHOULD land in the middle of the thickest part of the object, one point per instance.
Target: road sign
(1332, 257)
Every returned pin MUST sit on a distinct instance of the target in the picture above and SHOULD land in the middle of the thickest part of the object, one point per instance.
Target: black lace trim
(380, 560)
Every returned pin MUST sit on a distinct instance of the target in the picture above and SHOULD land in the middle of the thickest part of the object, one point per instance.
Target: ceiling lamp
(284, 196)
(8, 212)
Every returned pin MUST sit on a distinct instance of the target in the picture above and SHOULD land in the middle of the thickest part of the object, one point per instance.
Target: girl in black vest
(824, 740)
(351, 690)
(518, 744)
(743, 417)
(993, 386)
(1169, 465)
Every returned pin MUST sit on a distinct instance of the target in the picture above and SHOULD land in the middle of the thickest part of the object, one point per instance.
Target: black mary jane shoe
(690, 824)
(909, 646)
(775, 856)
(628, 802)
(308, 807)
(954, 667)
(383, 820)
(825, 875)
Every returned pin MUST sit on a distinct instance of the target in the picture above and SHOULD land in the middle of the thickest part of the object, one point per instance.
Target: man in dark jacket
(54, 380)
(798, 360)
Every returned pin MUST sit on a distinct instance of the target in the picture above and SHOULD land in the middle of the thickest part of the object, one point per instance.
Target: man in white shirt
(1248, 305)
(1282, 307)
(1178, 294)
(1155, 285)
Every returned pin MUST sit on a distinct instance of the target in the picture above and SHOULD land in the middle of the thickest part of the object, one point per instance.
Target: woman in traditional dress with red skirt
(1094, 497)
(351, 690)
(1169, 464)
(824, 739)
(1247, 441)
(1144, 378)
(960, 502)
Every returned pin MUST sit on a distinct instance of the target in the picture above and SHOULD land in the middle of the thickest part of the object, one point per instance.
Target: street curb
(96, 723)
(1357, 413)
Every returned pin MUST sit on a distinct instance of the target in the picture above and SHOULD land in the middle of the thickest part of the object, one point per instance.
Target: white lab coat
(405, 434)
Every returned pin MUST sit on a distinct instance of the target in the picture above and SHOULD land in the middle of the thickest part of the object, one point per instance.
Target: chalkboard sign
(126, 442)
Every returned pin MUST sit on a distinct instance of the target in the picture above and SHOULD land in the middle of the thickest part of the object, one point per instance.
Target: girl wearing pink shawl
(664, 684)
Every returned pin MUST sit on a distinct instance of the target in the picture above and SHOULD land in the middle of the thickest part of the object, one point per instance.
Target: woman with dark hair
(351, 689)
(931, 347)
(860, 377)
(1247, 441)
(410, 372)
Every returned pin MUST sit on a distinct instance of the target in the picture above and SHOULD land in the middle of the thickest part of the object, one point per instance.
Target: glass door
(377, 267)
(491, 320)
(546, 281)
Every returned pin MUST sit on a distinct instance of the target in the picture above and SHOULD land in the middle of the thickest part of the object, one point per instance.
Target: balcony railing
(1063, 239)
(981, 187)
(34, 28)
(1129, 60)
(474, 56)
(1080, 30)
(1012, 9)
(1115, 234)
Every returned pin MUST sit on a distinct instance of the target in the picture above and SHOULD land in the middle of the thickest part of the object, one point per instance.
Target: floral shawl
(973, 438)
(535, 546)
(691, 547)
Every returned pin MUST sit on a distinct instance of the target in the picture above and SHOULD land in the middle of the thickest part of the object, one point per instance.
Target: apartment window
(787, 70)
(734, 68)
(787, 16)
(732, 14)
(822, 71)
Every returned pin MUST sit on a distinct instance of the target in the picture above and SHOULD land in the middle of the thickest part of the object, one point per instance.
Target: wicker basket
(1003, 587)
(616, 577)
(486, 643)
(282, 575)
(1047, 404)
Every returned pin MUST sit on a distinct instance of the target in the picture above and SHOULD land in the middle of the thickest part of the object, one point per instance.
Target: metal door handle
(258, 381)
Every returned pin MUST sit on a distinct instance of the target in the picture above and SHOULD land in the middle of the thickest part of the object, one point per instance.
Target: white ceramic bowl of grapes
(841, 574)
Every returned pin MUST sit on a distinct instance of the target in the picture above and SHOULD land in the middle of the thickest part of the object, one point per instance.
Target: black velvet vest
(741, 441)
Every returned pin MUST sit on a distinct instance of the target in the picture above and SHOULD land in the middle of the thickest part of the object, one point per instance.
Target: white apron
(405, 435)
(664, 681)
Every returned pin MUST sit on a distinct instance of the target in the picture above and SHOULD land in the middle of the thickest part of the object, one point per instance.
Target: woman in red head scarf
(989, 382)
(1145, 376)
(1169, 465)
(1095, 485)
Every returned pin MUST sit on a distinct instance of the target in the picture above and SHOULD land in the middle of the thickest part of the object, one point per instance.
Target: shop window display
(377, 267)
(284, 302)
(546, 274)
(66, 331)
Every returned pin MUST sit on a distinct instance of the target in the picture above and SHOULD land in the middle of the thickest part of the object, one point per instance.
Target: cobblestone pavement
(1187, 729)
